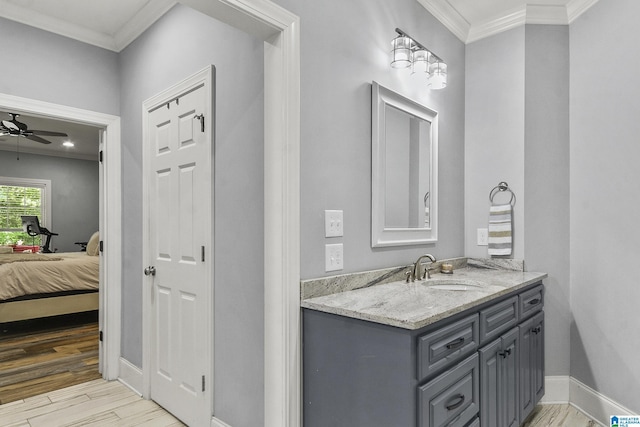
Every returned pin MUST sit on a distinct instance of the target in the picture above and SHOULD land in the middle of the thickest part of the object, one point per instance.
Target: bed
(41, 285)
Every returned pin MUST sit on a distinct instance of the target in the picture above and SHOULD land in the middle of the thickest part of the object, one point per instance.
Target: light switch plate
(483, 237)
(333, 224)
(334, 257)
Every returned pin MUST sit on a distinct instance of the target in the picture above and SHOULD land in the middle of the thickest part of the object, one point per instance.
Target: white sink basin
(455, 284)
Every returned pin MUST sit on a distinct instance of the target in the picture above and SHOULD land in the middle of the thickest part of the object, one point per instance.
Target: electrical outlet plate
(334, 257)
(483, 237)
(333, 224)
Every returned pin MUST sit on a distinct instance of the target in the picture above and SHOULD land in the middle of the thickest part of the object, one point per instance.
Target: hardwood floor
(38, 356)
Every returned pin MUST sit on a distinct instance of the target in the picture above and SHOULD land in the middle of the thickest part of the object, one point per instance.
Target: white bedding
(75, 271)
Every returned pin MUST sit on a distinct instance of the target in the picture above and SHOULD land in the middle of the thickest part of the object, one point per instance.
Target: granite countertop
(418, 304)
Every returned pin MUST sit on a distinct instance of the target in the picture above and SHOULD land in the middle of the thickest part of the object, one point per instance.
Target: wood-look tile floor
(103, 403)
(42, 355)
(96, 403)
(558, 415)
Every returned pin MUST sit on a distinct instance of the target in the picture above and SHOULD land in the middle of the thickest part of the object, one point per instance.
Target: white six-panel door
(179, 252)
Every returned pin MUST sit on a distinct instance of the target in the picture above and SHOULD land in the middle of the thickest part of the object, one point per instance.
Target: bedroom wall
(179, 44)
(344, 46)
(74, 186)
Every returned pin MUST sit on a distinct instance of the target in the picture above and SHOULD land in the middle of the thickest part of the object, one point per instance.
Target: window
(22, 196)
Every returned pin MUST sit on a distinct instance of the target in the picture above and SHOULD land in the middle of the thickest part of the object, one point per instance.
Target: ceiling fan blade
(38, 139)
(46, 133)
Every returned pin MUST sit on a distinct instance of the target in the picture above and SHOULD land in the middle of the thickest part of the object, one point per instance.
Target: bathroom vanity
(459, 350)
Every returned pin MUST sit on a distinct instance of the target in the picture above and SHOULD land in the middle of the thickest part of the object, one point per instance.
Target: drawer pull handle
(455, 344)
(536, 330)
(456, 402)
(505, 353)
(534, 301)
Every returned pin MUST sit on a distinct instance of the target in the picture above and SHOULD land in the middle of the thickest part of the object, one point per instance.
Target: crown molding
(576, 8)
(526, 14)
(143, 19)
(36, 19)
(512, 19)
(448, 16)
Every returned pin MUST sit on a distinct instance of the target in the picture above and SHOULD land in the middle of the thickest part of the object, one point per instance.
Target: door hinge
(101, 336)
(101, 245)
(101, 156)
(203, 383)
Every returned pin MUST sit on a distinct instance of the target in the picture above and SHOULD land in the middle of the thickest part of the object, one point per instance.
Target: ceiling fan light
(68, 144)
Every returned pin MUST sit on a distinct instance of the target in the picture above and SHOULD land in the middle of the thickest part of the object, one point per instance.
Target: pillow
(93, 245)
(6, 250)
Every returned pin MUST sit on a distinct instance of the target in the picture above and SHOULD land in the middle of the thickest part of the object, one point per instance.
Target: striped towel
(500, 230)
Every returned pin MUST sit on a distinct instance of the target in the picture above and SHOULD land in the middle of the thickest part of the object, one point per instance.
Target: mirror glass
(404, 170)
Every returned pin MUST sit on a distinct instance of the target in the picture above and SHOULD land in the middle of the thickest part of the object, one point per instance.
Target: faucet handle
(408, 275)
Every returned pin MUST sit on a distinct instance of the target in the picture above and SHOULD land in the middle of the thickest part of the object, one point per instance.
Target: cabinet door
(499, 365)
(538, 359)
(531, 364)
(489, 385)
(510, 367)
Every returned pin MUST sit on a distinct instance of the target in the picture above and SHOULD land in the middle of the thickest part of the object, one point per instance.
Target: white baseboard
(566, 389)
(218, 423)
(130, 375)
(596, 405)
(556, 390)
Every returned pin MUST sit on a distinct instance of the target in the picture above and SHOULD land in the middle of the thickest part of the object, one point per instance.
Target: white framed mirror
(404, 170)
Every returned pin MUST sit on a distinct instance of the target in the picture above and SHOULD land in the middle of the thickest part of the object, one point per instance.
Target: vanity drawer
(446, 345)
(531, 301)
(451, 399)
(498, 318)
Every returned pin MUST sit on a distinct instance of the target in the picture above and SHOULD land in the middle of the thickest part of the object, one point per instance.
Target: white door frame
(280, 30)
(111, 226)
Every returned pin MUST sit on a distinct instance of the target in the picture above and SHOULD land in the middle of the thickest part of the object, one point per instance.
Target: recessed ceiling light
(68, 144)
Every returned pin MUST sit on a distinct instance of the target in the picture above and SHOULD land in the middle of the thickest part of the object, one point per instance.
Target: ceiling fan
(15, 128)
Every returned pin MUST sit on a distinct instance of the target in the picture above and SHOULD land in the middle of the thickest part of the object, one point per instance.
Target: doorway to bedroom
(51, 328)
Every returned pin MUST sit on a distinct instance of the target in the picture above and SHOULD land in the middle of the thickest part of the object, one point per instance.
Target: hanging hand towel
(500, 229)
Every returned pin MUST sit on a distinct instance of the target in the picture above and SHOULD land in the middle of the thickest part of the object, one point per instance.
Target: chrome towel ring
(502, 186)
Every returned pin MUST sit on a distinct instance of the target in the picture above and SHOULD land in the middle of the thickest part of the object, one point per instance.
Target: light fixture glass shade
(401, 54)
(438, 75)
(420, 64)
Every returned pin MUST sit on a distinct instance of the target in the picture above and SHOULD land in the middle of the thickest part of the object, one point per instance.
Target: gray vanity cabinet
(481, 367)
(499, 376)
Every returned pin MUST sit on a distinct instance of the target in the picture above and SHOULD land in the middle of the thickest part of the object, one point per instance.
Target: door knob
(150, 271)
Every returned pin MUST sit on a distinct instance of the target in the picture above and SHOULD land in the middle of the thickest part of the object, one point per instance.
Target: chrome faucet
(417, 269)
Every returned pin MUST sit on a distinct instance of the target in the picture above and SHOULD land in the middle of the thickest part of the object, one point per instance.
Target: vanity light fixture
(407, 52)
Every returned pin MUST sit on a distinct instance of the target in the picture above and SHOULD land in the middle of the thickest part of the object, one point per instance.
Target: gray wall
(52, 68)
(74, 193)
(517, 130)
(546, 181)
(605, 184)
(494, 133)
(178, 45)
(346, 45)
